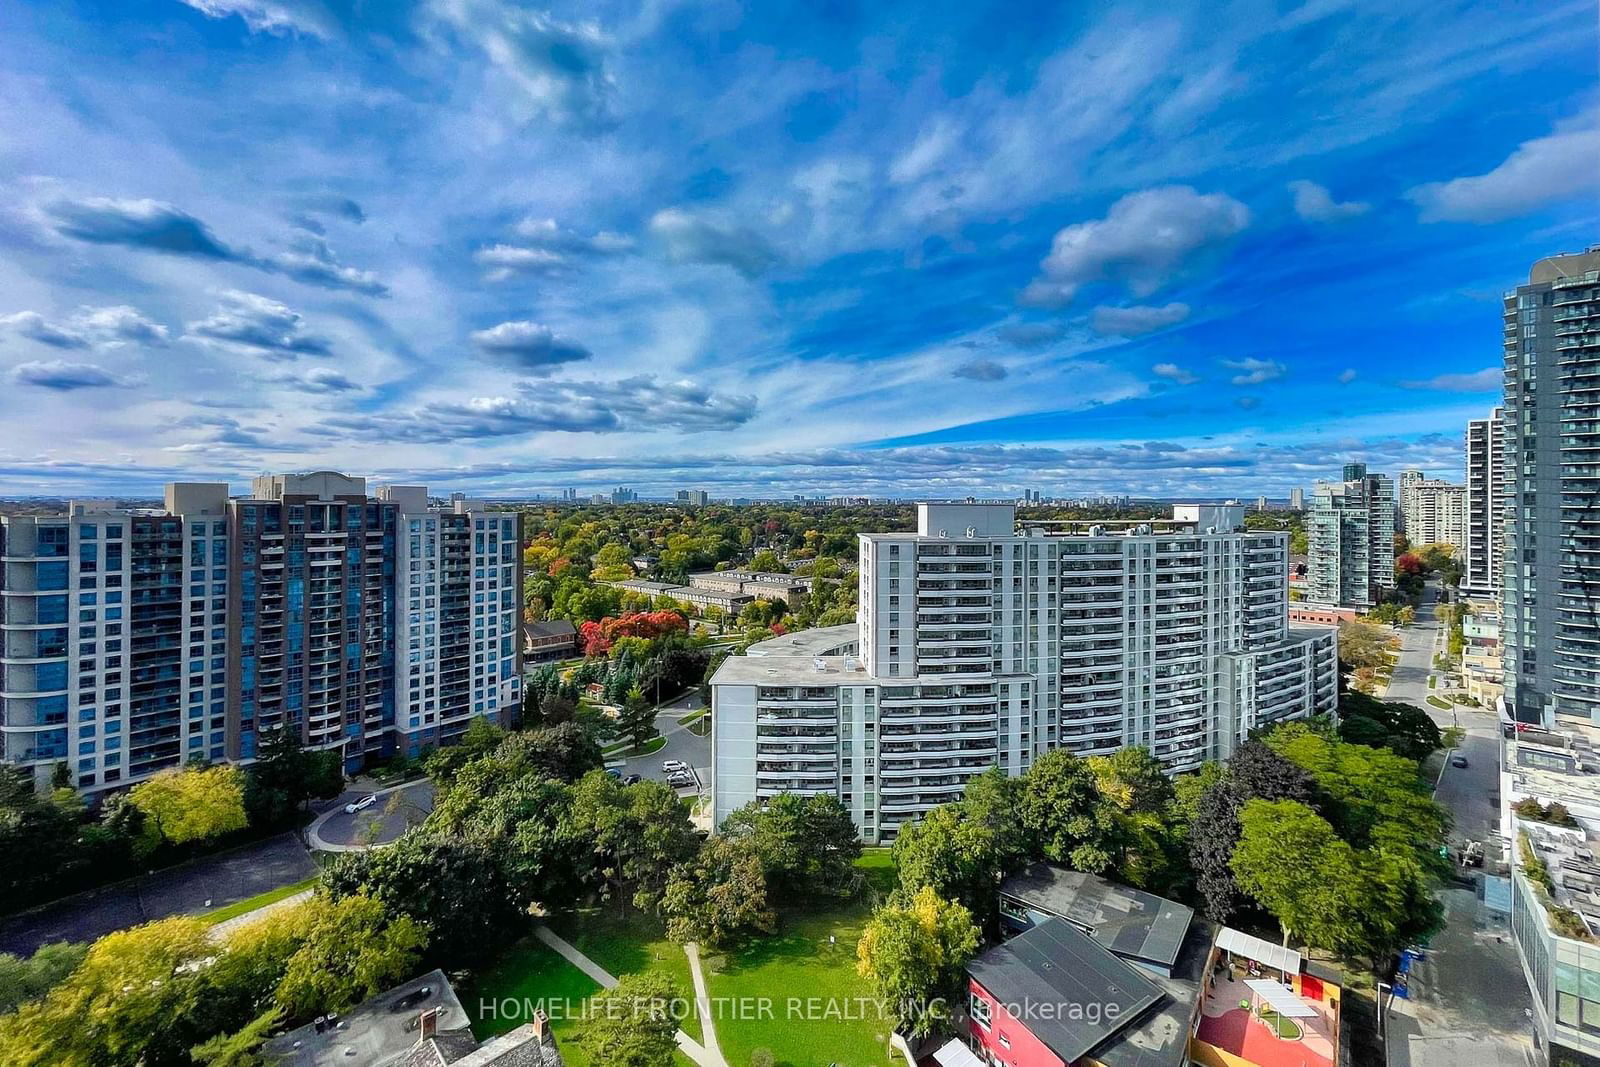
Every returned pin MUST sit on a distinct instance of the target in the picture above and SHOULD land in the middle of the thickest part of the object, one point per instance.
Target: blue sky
(901, 249)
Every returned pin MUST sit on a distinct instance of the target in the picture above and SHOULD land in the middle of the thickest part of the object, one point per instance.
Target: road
(1419, 641)
(682, 745)
(190, 889)
(1468, 998)
(398, 809)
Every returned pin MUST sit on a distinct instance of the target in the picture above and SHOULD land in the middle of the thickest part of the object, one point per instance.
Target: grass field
(533, 973)
(260, 900)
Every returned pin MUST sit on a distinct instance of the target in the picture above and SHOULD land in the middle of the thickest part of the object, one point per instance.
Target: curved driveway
(398, 809)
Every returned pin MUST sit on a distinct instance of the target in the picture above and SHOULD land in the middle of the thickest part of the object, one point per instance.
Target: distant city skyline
(891, 250)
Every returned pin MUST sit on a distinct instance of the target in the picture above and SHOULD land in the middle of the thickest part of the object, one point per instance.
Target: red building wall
(1025, 1049)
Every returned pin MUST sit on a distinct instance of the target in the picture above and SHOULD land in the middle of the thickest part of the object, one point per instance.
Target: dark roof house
(1135, 925)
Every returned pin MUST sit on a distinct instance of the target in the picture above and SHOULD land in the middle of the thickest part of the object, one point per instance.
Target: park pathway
(222, 930)
(690, 1047)
(702, 1003)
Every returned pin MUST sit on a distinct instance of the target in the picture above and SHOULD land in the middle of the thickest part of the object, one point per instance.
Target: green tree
(956, 857)
(352, 950)
(1062, 810)
(242, 1048)
(192, 804)
(720, 897)
(915, 955)
(636, 719)
(632, 1024)
(635, 835)
(457, 888)
(128, 1002)
(26, 979)
(613, 563)
(767, 560)
(807, 845)
(1293, 863)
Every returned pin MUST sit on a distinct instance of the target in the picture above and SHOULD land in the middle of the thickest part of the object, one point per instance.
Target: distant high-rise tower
(1297, 499)
(1483, 574)
(1350, 533)
(1551, 625)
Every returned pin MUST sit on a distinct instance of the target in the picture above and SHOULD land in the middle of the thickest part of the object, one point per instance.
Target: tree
(129, 1002)
(635, 835)
(807, 845)
(612, 564)
(351, 951)
(636, 720)
(457, 888)
(720, 897)
(1061, 808)
(632, 1024)
(286, 776)
(1133, 780)
(768, 561)
(1404, 729)
(1291, 861)
(915, 955)
(26, 979)
(1361, 645)
(192, 804)
(956, 857)
(240, 1048)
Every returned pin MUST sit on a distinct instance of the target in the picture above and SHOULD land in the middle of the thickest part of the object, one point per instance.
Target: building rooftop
(817, 641)
(1161, 1038)
(381, 1032)
(1043, 975)
(551, 628)
(792, 670)
(1130, 922)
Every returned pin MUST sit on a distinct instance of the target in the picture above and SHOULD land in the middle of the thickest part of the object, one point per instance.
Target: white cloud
(1347, 376)
(1488, 380)
(256, 324)
(694, 239)
(542, 247)
(529, 346)
(562, 69)
(1314, 203)
(89, 327)
(66, 377)
(981, 370)
(269, 16)
(1145, 239)
(1135, 320)
(1254, 371)
(1562, 166)
(1174, 373)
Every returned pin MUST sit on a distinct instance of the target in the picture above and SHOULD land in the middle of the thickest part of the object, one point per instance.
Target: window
(979, 1009)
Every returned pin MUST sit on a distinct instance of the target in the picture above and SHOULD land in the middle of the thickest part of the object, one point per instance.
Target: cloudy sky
(901, 249)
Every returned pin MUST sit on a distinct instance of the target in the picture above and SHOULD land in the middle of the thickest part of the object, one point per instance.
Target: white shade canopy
(1251, 947)
(1285, 1001)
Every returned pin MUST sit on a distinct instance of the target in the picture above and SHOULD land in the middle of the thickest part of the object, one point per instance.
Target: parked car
(1458, 761)
(614, 772)
(680, 779)
(361, 805)
(674, 766)
(632, 779)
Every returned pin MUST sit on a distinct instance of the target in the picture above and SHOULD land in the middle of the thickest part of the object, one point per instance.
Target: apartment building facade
(1350, 536)
(136, 640)
(981, 645)
(1484, 562)
(1434, 512)
(1551, 619)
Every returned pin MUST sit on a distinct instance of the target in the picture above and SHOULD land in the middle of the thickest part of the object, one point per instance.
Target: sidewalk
(705, 1057)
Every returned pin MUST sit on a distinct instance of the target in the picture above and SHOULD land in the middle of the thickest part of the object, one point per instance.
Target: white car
(361, 805)
(674, 766)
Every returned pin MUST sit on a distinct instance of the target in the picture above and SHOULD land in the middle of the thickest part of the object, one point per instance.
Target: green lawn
(626, 749)
(532, 972)
(502, 998)
(877, 864)
(817, 1009)
(260, 900)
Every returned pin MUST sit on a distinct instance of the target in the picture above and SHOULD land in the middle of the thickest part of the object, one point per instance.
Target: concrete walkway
(702, 1006)
(690, 1047)
(222, 930)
